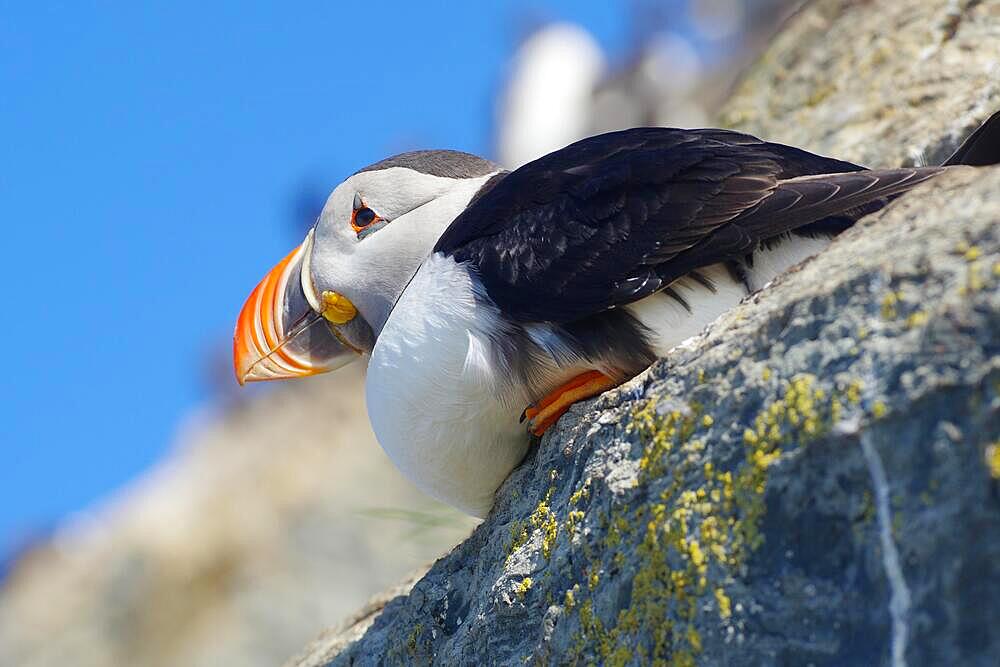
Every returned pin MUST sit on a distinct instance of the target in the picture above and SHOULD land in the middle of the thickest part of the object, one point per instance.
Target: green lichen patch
(574, 518)
(518, 538)
(542, 520)
(415, 649)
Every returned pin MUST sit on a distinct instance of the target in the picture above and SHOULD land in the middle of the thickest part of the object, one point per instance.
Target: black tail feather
(982, 148)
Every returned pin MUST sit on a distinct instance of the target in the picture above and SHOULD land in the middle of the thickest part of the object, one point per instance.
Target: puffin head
(325, 303)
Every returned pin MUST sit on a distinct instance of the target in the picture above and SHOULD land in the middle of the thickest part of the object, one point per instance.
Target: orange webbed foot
(547, 411)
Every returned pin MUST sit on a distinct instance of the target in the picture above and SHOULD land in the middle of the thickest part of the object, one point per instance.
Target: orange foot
(546, 412)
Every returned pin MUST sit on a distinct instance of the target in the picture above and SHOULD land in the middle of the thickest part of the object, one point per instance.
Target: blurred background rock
(276, 513)
(683, 60)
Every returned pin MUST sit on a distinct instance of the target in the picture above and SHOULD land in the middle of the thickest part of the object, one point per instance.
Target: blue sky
(150, 160)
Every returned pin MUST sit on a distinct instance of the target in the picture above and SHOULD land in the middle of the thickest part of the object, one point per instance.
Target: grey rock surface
(888, 83)
(215, 556)
(814, 480)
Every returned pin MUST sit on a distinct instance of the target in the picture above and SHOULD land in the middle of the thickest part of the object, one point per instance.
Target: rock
(878, 83)
(816, 478)
(812, 481)
(215, 557)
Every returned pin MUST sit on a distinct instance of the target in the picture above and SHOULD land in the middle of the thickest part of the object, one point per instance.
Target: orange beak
(280, 336)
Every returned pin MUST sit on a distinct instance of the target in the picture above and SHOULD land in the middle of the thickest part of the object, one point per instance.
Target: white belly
(432, 401)
(672, 323)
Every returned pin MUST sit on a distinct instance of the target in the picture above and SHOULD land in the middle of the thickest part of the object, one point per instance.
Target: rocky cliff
(216, 556)
(816, 478)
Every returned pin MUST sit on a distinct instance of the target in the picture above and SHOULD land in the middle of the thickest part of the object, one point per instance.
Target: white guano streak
(899, 597)
(899, 600)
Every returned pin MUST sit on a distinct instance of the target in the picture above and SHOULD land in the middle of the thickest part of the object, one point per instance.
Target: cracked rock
(816, 479)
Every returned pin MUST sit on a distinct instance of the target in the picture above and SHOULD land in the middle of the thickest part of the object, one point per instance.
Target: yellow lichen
(523, 587)
(879, 409)
(570, 597)
(993, 459)
(694, 639)
(572, 519)
(724, 604)
(580, 494)
(672, 429)
(889, 303)
(544, 519)
(819, 94)
(973, 253)
(973, 279)
(853, 393)
(916, 319)
(702, 530)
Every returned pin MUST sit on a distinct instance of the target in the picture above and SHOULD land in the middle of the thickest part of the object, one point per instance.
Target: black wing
(614, 218)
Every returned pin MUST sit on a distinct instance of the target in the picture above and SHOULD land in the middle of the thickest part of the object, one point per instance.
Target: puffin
(486, 302)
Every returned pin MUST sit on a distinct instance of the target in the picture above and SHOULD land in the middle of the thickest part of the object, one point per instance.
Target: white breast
(432, 397)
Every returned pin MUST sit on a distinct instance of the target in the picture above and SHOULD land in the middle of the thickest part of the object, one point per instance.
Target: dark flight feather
(982, 147)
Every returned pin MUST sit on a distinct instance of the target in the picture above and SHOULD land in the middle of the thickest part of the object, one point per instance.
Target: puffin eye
(362, 217)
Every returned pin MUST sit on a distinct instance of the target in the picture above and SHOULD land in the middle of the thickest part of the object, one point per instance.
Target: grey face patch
(446, 163)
